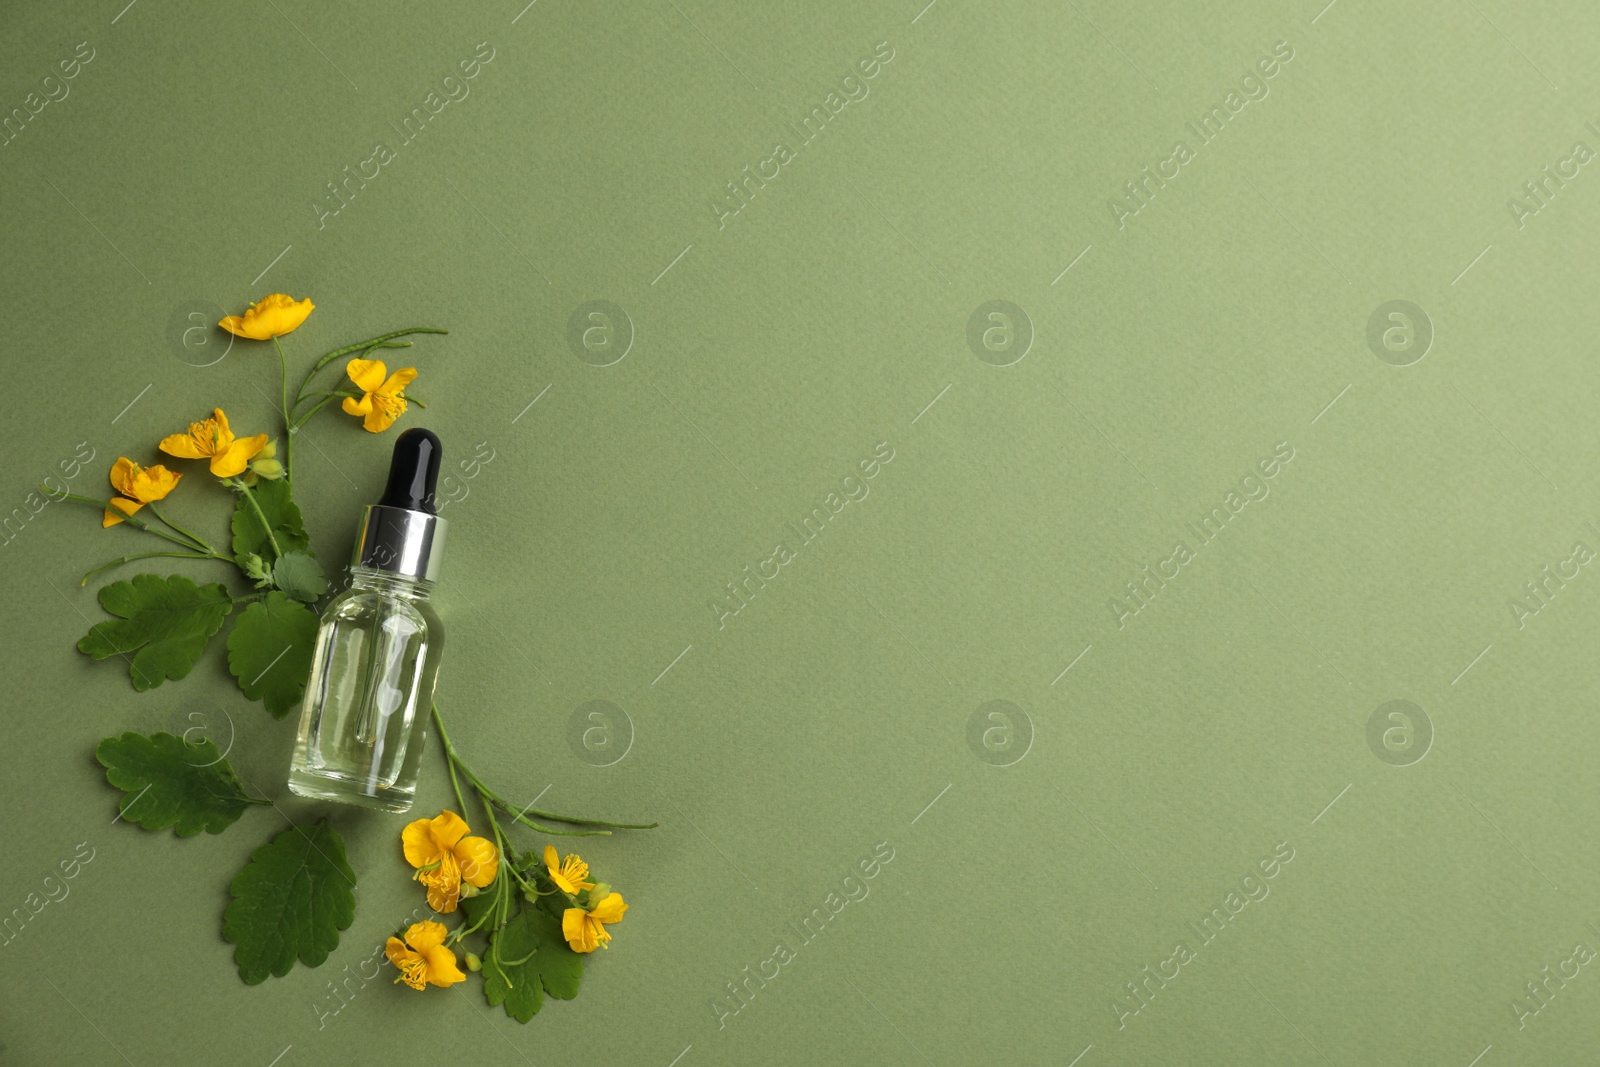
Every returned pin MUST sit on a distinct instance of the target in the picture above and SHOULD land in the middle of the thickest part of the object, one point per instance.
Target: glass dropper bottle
(365, 713)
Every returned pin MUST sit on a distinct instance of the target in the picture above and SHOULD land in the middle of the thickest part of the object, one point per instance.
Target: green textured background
(769, 356)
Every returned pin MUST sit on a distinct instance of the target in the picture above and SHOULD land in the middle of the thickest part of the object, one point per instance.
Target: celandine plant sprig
(295, 895)
(536, 915)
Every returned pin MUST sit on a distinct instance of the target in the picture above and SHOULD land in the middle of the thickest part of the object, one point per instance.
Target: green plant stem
(120, 560)
(376, 342)
(381, 341)
(500, 843)
(288, 418)
(199, 542)
(238, 483)
(517, 816)
(328, 399)
(495, 799)
(455, 784)
(584, 822)
(137, 524)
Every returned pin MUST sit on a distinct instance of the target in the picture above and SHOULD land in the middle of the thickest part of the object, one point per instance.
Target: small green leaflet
(168, 781)
(250, 538)
(535, 959)
(269, 651)
(255, 569)
(291, 900)
(297, 574)
(164, 622)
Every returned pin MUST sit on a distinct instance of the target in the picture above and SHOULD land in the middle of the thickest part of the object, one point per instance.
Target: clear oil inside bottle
(367, 702)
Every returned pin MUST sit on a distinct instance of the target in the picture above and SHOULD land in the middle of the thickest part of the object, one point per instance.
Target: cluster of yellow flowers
(583, 927)
(381, 401)
(452, 864)
(212, 439)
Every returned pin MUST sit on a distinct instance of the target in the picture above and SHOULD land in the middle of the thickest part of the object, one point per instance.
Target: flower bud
(269, 469)
(473, 962)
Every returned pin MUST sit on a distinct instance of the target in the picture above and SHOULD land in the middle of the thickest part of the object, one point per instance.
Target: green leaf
(250, 537)
(291, 900)
(542, 963)
(551, 898)
(300, 576)
(168, 781)
(255, 569)
(165, 622)
(269, 651)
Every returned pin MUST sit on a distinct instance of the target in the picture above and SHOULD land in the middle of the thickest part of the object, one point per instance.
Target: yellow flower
(584, 930)
(571, 874)
(264, 465)
(271, 316)
(384, 400)
(212, 439)
(143, 485)
(423, 958)
(445, 857)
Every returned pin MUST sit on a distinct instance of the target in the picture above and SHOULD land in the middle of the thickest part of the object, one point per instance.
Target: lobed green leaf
(541, 962)
(164, 623)
(169, 781)
(290, 902)
(269, 651)
(277, 504)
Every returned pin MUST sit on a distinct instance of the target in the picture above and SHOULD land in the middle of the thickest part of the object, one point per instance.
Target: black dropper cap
(413, 471)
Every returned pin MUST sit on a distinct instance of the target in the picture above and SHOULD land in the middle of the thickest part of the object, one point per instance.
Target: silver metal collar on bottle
(401, 541)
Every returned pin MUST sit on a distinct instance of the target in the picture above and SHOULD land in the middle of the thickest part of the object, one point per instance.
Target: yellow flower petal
(610, 909)
(183, 446)
(417, 841)
(122, 475)
(396, 950)
(413, 967)
(397, 381)
(442, 969)
(384, 411)
(209, 438)
(153, 483)
(425, 935)
(127, 507)
(234, 324)
(272, 316)
(571, 874)
(232, 461)
(217, 427)
(353, 406)
(443, 884)
(581, 932)
(368, 374)
(448, 828)
(479, 859)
